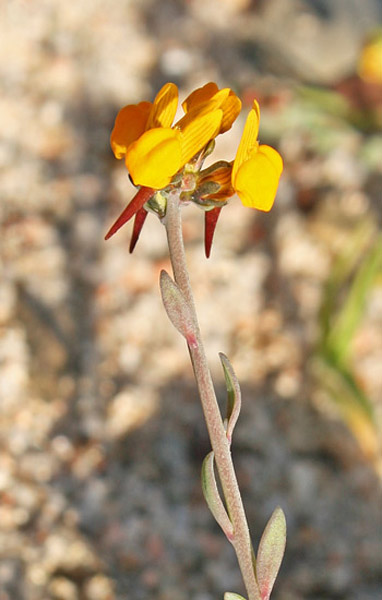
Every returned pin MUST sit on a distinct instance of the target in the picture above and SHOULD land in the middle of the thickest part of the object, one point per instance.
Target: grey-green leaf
(233, 395)
(212, 496)
(177, 308)
(271, 552)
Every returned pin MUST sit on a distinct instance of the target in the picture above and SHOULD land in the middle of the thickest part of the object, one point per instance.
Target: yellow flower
(257, 168)
(155, 151)
(370, 61)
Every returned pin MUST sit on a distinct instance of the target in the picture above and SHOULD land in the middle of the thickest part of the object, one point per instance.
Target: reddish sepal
(141, 197)
(140, 218)
(210, 220)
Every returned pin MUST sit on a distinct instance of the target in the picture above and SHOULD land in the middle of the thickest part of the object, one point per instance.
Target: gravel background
(101, 432)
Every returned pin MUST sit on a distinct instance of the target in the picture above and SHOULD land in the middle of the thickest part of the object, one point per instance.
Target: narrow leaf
(232, 596)
(177, 308)
(212, 496)
(270, 552)
(233, 395)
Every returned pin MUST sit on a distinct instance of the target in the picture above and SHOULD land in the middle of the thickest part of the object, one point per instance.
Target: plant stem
(219, 442)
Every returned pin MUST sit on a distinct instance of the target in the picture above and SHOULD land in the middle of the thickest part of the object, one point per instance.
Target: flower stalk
(220, 444)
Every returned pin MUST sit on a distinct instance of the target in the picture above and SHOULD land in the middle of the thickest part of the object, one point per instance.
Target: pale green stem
(219, 442)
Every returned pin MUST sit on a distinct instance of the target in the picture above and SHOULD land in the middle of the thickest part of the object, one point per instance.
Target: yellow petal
(196, 133)
(164, 107)
(248, 143)
(199, 96)
(273, 156)
(231, 108)
(209, 98)
(256, 182)
(129, 125)
(216, 101)
(154, 158)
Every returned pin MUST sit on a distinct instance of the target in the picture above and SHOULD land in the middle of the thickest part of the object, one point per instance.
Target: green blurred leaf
(326, 100)
(350, 315)
(271, 552)
(212, 496)
(341, 272)
(232, 596)
(351, 403)
(343, 308)
(233, 395)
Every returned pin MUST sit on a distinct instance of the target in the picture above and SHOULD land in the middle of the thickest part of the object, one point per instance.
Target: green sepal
(158, 203)
(232, 596)
(218, 165)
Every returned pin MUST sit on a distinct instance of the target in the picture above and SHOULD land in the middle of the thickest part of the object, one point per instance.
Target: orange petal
(209, 98)
(196, 133)
(155, 158)
(256, 181)
(129, 124)
(248, 143)
(231, 108)
(221, 174)
(216, 101)
(164, 107)
(199, 96)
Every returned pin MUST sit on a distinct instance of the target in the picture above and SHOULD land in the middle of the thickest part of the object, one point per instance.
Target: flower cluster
(161, 156)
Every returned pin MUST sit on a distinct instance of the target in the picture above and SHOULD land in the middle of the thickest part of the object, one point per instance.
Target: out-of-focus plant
(370, 60)
(165, 162)
(343, 307)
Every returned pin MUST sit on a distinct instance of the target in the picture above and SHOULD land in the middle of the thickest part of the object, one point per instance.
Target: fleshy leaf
(232, 596)
(177, 308)
(270, 552)
(212, 496)
(233, 395)
(210, 220)
(141, 197)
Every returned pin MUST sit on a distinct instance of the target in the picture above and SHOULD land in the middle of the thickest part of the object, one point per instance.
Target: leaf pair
(272, 544)
(269, 556)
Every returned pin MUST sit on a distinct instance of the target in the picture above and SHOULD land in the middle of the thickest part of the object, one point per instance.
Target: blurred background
(101, 431)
